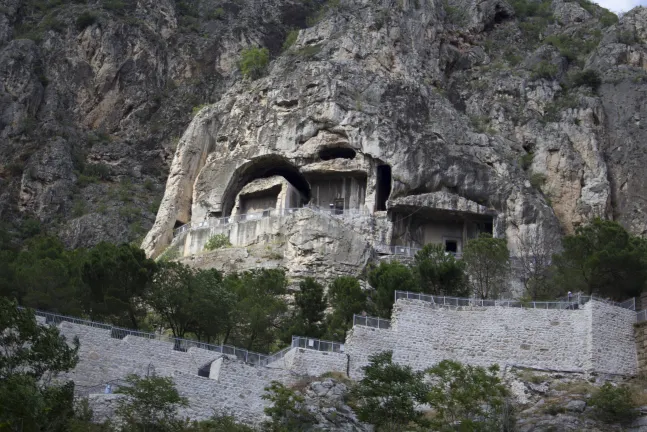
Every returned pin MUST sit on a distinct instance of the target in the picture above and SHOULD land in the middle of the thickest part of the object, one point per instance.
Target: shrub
(287, 411)
(253, 62)
(613, 404)
(99, 170)
(290, 39)
(217, 241)
(309, 51)
(217, 13)
(455, 14)
(117, 6)
(544, 70)
(588, 78)
(526, 160)
(627, 37)
(86, 19)
(608, 19)
(537, 180)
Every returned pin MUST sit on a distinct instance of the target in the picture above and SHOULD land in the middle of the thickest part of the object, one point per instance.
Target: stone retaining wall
(595, 338)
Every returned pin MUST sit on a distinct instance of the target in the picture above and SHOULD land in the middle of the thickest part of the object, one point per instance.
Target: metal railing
(582, 299)
(179, 344)
(375, 322)
(317, 344)
(641, 316)
(228, 220)
(115, 385)
(183, 345)
(458, 301)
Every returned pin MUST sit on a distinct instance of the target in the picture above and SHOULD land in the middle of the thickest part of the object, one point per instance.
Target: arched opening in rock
(383, 187)
(259, 168)
(337, 153)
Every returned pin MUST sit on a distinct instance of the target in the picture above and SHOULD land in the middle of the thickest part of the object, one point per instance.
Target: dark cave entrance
(263, 167)
(383, 187)
(337, 153)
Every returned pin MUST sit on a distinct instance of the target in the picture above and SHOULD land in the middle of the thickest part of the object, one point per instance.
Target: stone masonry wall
(362, 342)
(103, 359)
(640, 332)
(613, 344)
(552, 339)
(595, 338)
(315, 363)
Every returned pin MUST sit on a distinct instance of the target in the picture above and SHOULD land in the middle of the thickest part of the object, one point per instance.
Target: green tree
(46, 276)
(467, 398)
(260, 307)
(31, 356)
(287, 412)
(385, 280)
(151, 403)
(116, 277)
(439, 272)
(603, 258)
(488, 265)
(253, 62)
(309, 312)
(212, 306)
(388, 394)
(171, 296)
(346, 298)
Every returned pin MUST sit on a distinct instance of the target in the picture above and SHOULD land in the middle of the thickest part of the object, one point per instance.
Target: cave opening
(263, 167)
(337, 153)
(383, 187)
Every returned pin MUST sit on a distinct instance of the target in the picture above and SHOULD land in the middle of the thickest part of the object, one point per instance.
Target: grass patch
(531, 377)
(290, 39)
(544, 70)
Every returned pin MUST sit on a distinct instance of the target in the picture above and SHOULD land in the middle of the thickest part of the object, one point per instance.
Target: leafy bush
(86, 19)
(471, 396)
(253, 62)
(217, 13)
(117, 6)
(290, 39)
(525, 9)
(217, 241)
(99, 170)
(544, 70)
(455, 14)
(537, 180)
(588, 78)
(608, 18)
(388, 394)
(613, 404)
(287, 411)
(526, 160)
(627, 37)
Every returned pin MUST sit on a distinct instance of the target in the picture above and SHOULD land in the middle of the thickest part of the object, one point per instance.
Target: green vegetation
(253, 62)
(473, 397)
(217, 241)
(30, 353)
(574, 48)
(614, 404)
(86, 19)
(308, 316)
(151, 403)
(544, 70)
(309, 51)
(287, 412)
(388, 394)
(537, 180)
(440, 273)
(586, 78)
(526, 161)
(487, 261)
(455, 14)
(322, 11)
(346, 298)
(290, 39)
(385, 280)
(602, 258)
(534, 17)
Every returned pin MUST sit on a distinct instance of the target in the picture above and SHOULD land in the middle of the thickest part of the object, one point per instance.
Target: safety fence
(105, 388)
(574, 303)
(224, 221)
(375, 322)
(407, 251)
(580, 298)
(183, 345)
(641, 316)
(317, 344)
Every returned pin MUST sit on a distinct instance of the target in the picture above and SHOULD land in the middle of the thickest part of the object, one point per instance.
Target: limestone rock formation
(535, 118)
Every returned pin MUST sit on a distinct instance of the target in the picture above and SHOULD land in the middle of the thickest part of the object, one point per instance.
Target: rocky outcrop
(97, 99)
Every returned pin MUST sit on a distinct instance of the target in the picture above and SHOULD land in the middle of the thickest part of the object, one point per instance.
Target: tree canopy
(603, 258)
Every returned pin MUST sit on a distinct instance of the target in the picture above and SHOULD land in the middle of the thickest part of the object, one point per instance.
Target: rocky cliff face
(484, 100)
(95, 94)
